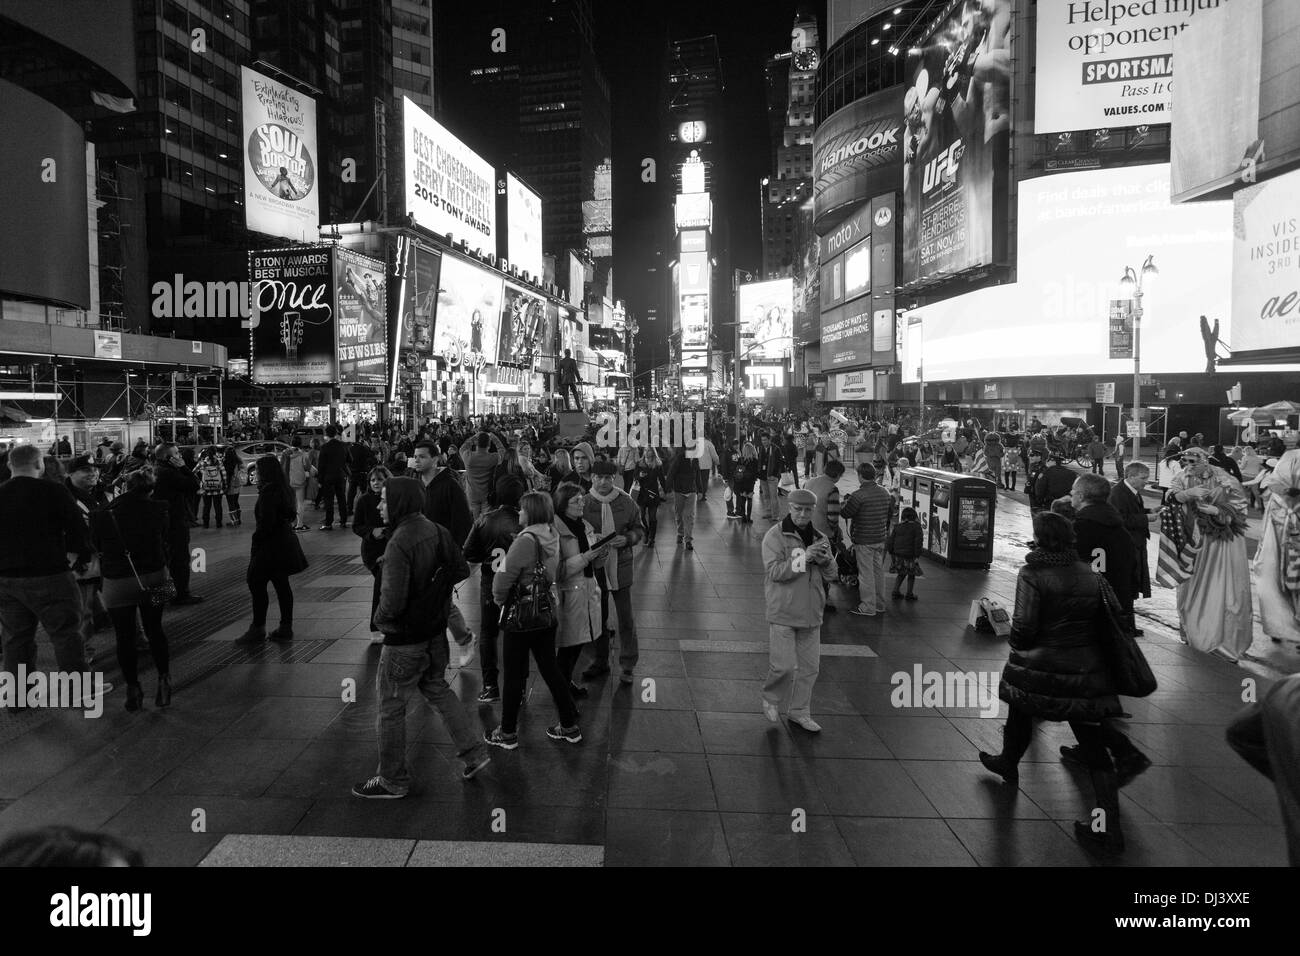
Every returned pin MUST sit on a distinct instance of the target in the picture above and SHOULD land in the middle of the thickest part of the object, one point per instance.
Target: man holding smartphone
(797, 559)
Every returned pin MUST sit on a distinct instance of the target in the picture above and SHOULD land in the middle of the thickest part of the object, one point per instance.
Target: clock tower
(792, 89)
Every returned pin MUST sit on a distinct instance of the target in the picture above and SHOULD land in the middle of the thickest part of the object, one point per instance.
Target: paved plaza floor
(254, 760)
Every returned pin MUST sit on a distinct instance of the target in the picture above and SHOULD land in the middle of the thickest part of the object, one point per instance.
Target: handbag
(1127, 664)
(159, 594)
(530, 607)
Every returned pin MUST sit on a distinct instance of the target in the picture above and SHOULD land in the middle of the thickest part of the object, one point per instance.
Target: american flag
(1177, 558)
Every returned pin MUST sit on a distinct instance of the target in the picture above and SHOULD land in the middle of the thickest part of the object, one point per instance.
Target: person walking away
(175, 484)
(1055, 482)
(1118, 454)
(482, 454)
(1126, 498)
(294, 465)
(611, 511)
(422, 562)
(772, 462)
(682, 479)
(904, 544)
(234, 484)
(445, 504)
(790, 458)
(361, 461)
(797, 563)
(1012, 466)
(867, 511)
(579, 608)
(332, 474)
(211, 472)
(995, 453)
(1057, 670)
(486, 545)
(1097, 452)
(1250, 466)
(131, 536)
(704, 464)
(41, 532)
(651, 487)
(727, 471)
(275, 555)
(368, 525)
(747, 469)
(627, 461)
(1223, 460)
(83, 483)
(536, 551)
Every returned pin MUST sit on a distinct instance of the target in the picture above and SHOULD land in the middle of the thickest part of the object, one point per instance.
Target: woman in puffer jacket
(1057, 669)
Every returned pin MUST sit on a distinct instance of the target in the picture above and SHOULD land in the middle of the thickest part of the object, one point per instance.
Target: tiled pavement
(254, 760)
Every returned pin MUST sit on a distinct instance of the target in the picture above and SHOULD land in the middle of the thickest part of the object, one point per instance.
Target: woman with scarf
(1214, 603)
(1058, 669)
(579, 610)
(1277, 562)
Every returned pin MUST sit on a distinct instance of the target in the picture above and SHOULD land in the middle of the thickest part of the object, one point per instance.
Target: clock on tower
(806, 60)
(692, 131)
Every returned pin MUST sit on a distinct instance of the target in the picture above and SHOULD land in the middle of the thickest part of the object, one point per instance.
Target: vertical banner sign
(958, 118)
(294, 340)
(884, 246)
(1266, 266)
(523, 325)
(1121, 328)
(281, 192)
(449, 187)
(362, 310)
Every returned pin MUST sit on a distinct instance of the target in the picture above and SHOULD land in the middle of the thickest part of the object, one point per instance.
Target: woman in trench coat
(579, 610)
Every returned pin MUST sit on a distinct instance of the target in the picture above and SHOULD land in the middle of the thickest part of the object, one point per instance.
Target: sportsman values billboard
(958, 119)
(362, 318)
(449, 187)
(522, 328)
(469, 314)
(293, 336)
(281, 171)
(1109, 64)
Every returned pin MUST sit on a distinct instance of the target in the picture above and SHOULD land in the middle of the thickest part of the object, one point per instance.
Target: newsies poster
(281, 171)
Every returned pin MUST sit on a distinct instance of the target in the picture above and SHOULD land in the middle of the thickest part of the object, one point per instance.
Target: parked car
(250, 451)
(307, 433)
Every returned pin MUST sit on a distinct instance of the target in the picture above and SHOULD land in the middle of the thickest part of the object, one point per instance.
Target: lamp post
(1131, 282)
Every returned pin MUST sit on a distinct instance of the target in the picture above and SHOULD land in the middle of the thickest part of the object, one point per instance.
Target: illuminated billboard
(362, 318)
(766, 311)
(693, 211)
(523, 227)
(469, 313)
(293, 339)
(523, 326)
(1266, 266)
(693, 273)
(695, 321)
(449, 187)
(281, 160)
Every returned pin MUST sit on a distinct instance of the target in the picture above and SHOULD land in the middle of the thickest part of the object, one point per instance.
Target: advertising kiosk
(956, 513)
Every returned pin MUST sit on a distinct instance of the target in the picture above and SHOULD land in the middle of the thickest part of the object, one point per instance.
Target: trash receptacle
(956, 513)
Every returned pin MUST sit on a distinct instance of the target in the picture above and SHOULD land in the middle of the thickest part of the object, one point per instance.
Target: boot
(282, 634)
(1105, 785)
(164, 696)
(255, 634)
(134, 697)
(1000, 766)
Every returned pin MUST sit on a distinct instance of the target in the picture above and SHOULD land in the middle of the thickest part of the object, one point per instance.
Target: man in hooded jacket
(422, 562)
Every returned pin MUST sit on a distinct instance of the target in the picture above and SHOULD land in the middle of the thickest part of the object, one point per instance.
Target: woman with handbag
(524, 589)
(650, 491)
(131, 538)
(276, 553)
(234, 484)
(1060, 667)
(579, 611)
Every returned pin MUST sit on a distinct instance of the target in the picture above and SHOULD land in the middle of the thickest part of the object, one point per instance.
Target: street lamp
(1131, 283)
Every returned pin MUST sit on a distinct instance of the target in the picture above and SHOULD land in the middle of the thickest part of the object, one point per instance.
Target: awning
(1281, 409)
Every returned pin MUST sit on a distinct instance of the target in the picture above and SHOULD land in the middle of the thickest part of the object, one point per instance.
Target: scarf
(806, 534)
(579, 529)
(1038, 558)
(606, 529)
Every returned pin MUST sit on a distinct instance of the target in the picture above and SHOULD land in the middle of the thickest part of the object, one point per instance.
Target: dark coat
(333, 460)
(445, 504)
(365, 520)
(650, 485)
(746, 473)
(1057, 670)
(276, 549)
(1055, 482)
(175, 486)
(906, 540)
(1099, 527)
(1133, 512)
(492, 532)
(682, 476)
(141, 528)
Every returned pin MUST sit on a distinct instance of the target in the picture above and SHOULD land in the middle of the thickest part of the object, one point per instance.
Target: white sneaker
(807, 723)
(465, 651)
(377, 637)
(769, 711)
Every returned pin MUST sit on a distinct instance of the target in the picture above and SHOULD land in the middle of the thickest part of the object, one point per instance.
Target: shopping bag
(728, 494)
(786, 484)
(989, 616)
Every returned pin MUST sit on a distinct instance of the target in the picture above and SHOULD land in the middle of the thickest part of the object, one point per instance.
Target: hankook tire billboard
(857, 154)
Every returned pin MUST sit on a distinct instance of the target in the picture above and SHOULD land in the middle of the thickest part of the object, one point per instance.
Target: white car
(250, 451)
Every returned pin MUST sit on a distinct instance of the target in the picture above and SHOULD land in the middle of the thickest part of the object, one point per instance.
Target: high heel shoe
(134, 696)
(164, 696)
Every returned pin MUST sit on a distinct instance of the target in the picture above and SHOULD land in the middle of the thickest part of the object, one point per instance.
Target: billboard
(522, 326)
(693, 211)
(523, 227)
(293, 336)
(1105, 66)
(955, 152)
(1266, 266)
(807, 277)
(469, 314)
(693, 240)
(448, 186)
(857, 270)
(766, 312)
(695, 321)
(846, 336)
(281, 161)
(362, 319)
(694, 273)
(858, 153)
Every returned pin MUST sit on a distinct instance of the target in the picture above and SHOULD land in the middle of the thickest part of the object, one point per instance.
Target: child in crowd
(904, 543)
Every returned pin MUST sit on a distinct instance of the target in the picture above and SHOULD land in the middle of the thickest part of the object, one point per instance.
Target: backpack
(212, 480)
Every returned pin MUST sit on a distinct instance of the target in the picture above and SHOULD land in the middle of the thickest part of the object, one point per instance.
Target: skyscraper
(789, 185)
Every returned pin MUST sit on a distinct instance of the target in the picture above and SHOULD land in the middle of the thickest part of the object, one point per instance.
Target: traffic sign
(412, 359)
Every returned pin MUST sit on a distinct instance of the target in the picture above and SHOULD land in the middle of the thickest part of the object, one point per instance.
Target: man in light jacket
(797, 561)
(610, 510)
(707, 461)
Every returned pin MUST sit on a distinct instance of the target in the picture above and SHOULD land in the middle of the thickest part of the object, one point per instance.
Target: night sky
(634, 37)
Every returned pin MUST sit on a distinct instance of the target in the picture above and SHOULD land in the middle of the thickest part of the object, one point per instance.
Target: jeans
(684, 508)
(261, 602)
(629, 477)
(477, 506)
(871, 575)
(517, 645)
(1119, 469)
(745, 506)
(1098, 466)
(650, 519)
(627, 652)
(232, 505)
(489, 629)
(357, 484)
(456, 623)
(423, 666)
(301, 495)
(332, 489)
(1020, 732)
(123, 619)
(88, 590)
(566, 658)
(210, 502)
(178, 563)
(378, 572)
(794, 658)
(770, 497)
(51, 600)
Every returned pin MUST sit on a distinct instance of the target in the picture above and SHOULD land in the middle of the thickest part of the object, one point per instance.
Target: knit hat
(802, 496)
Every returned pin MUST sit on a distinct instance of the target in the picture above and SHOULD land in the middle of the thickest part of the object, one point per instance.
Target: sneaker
(327, 527)
(502, 740)
(578, 691)
(807, 723)
(374, 789)
(281, 635)
(466, 651)
(377, 637)
(490, 694)
(254, 635)
(770, 711)
(625, 678)
(880, 607)
(731, 515)
(473, 768)
(1126, 768)
(559, 732)
(861, 610)
(301, 528)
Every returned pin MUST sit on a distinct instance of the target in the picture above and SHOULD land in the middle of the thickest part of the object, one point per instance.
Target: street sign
(363, 393)
(1133, 429)
(412, 359)
(1105, 393)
